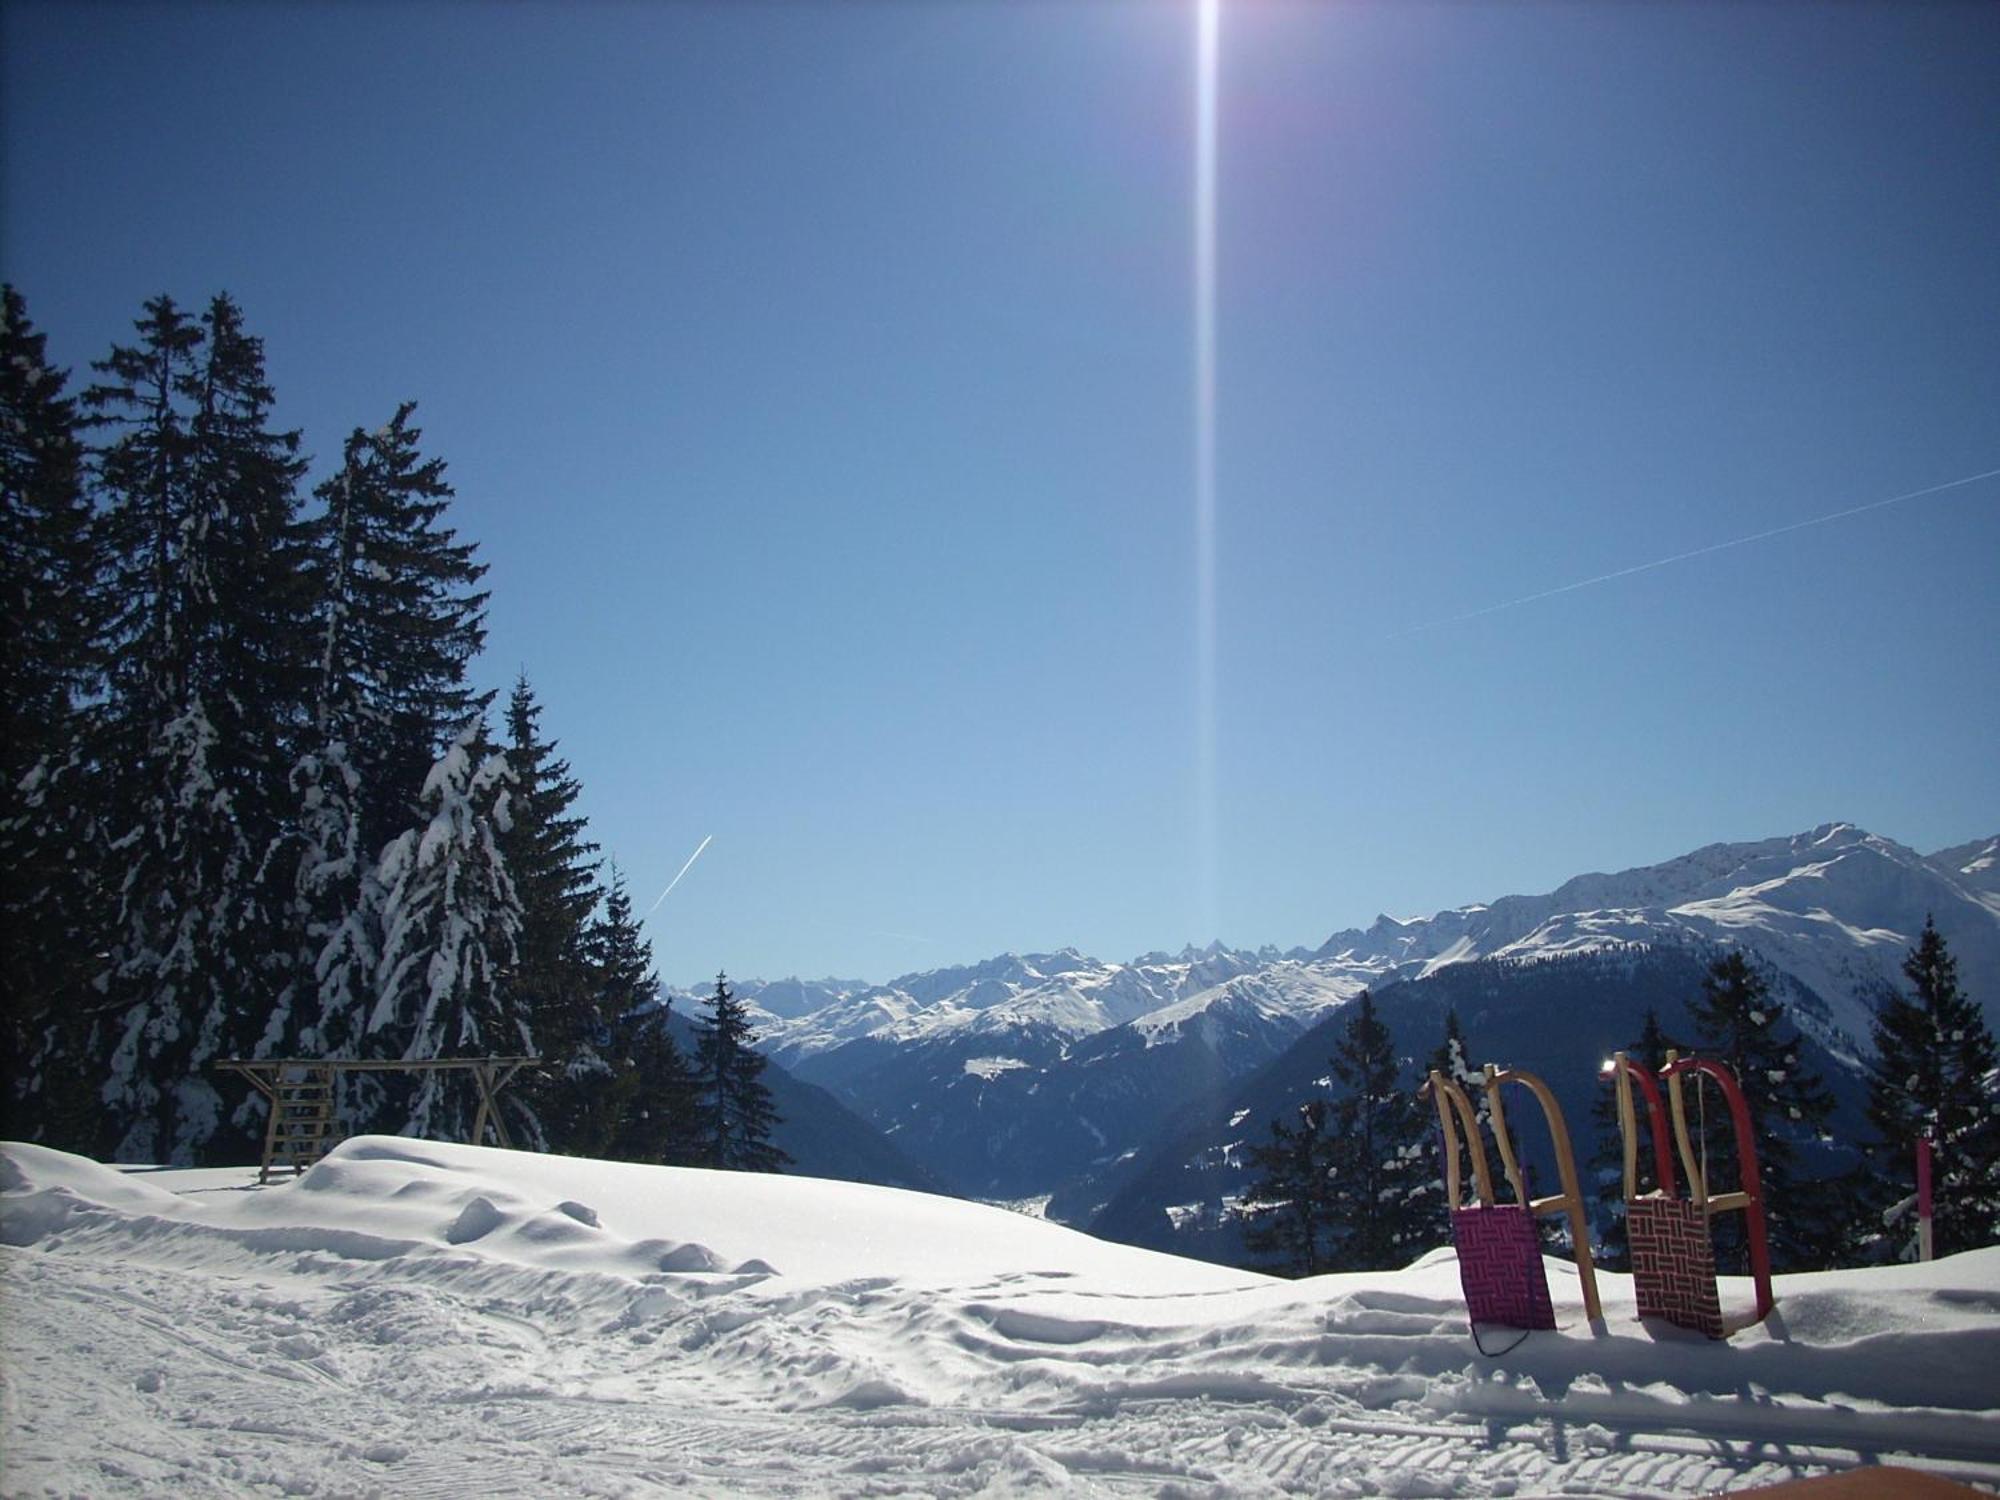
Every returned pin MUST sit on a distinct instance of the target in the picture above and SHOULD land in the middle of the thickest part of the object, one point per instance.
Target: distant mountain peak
(1835, 908)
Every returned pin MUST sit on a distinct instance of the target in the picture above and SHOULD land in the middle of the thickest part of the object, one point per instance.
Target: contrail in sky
(1681, 557)
(677, 879)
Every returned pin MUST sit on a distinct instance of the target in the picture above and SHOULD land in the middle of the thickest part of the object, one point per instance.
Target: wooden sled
(1673, 1255)
(1499, 1252)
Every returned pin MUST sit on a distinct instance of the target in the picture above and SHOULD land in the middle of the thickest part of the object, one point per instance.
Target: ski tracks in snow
(355, 1334)
(313, 1375)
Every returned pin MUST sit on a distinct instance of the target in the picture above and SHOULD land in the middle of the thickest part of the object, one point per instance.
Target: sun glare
(1208, 26)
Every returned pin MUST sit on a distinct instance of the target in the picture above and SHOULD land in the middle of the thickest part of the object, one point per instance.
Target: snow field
(411, 1319)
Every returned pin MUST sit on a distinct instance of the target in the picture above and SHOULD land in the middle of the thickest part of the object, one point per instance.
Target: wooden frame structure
(1451, 1099)
(301, 1090)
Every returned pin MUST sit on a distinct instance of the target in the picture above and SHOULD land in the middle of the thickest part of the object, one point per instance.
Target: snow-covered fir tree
(450, 924)
(736, 1112)
(336, 912)
(201, 511)
(263, 669)
(1936, 1075)
(397, 619)
(411, 617)
(52, 616)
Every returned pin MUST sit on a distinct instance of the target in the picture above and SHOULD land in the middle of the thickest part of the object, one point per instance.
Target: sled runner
(1499, 1252)
(1673, 1257)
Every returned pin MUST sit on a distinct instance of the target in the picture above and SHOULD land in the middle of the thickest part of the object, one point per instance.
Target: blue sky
(818, 382)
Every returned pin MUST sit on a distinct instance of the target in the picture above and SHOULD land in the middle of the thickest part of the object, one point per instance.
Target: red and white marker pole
(1923, 1197)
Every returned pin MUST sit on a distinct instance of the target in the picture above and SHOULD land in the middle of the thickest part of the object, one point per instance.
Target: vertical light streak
(1208, 28)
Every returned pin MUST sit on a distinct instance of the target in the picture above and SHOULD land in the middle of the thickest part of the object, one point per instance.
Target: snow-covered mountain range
(1012, 1076)
(1835, 909)
(1062, 994)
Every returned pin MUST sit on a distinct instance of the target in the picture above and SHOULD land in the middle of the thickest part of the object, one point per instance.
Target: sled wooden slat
(1569, 1201)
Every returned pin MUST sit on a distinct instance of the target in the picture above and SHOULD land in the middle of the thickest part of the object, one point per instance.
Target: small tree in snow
(1287, 1207)
(1934, 1075)
(651, 1112)
(1380, 1157)
(1353, 1185)
(736, 1113)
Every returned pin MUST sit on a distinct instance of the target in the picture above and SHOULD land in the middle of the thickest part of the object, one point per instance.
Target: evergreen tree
(450, 923)
(1381, 1164)
(149, 513)
(400, 618)
(1649, 1051)
(649, 1112)
(1452, 1058)
(259, 671)
(736, 1112)
(200, 512)
(1934, 1075)
(1740, 1024)
(556, 879)
(336, 912)
(397, 622)
(50, 656)
(1287, 1207)
(52, 618)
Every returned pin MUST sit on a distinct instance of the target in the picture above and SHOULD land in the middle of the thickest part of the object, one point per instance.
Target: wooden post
(485, 1106)
(1924, 1246)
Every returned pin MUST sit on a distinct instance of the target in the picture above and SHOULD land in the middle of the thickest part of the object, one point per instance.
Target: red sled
(1673, 1255)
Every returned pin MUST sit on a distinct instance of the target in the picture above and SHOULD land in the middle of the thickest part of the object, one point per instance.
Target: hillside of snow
(411, 1318)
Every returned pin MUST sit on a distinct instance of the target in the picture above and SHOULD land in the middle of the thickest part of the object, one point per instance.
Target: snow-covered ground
(411, 1318)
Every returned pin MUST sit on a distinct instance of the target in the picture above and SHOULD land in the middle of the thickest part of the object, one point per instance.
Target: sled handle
(1450, 1100)
(1749, 1199)
(1697, 1178)
(1624, 1072)
(1570, 1200)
